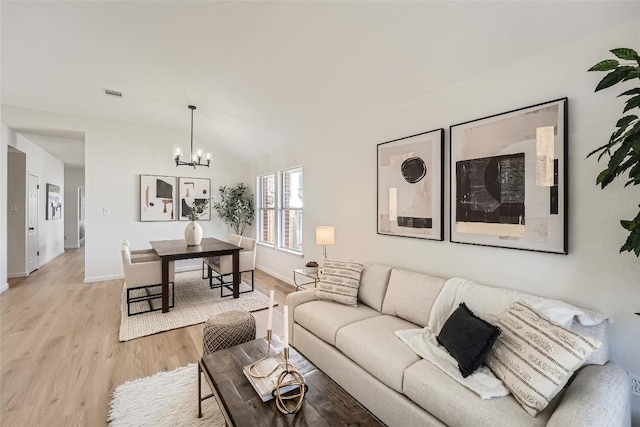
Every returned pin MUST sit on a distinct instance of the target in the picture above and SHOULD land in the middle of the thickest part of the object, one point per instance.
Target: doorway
(33, 253)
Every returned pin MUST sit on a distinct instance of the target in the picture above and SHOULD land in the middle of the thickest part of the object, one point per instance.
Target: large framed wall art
(509, 179)
(410, 186)
(158, 198)
(194, 191)
(54, 202)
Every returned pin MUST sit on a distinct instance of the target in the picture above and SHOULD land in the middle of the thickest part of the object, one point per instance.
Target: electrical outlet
(635, 385)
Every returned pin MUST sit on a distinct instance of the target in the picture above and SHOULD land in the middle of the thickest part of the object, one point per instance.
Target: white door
(33, 254)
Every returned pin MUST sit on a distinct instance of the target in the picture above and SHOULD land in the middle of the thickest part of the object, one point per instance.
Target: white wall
(340, 189)
(5, 135)
(17, 214)
(116, 154)
(49, 170)
(73, 180)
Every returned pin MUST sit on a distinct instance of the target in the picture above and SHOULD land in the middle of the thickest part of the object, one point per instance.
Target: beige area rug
(195, 303)
(166, 399)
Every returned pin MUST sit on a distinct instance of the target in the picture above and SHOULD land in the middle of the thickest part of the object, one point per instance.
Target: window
(267, 209)
(291, 209)
(285, 230)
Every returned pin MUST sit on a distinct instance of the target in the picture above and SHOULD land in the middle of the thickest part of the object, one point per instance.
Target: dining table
(173, 250)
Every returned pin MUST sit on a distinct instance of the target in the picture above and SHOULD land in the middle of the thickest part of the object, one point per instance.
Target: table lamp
(325, 235)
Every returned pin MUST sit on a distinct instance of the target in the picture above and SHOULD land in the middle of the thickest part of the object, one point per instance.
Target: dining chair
(143, 281)
(220, 269)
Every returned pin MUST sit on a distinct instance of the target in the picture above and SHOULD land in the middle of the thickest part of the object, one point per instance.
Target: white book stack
(273, 367)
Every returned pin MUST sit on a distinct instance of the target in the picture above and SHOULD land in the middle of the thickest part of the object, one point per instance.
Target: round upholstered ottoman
(227, 329)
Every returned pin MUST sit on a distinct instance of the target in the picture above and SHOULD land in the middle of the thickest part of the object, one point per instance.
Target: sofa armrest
(295, 299)
(598, 396)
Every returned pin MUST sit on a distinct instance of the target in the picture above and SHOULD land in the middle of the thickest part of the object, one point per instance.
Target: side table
(302, 272)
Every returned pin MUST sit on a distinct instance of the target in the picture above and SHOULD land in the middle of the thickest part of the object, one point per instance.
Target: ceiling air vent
(114, 93)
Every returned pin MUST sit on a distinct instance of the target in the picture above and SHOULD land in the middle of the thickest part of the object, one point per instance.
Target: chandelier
(197, 158)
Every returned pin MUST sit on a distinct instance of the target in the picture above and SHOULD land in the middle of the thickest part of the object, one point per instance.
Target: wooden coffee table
(325, 402)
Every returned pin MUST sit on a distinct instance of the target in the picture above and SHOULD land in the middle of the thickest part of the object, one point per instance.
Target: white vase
(193, 234)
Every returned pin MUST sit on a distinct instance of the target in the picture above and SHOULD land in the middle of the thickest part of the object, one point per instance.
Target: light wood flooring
(60, 358)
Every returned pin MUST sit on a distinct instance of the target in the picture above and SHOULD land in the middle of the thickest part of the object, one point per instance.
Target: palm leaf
(613, 77)
(625, 53)
(606, 65)
(632, 103)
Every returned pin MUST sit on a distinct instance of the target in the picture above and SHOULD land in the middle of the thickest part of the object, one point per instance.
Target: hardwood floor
(60, 358)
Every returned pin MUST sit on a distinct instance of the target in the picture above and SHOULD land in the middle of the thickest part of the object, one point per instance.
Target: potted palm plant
(235, 207)
(623, 147)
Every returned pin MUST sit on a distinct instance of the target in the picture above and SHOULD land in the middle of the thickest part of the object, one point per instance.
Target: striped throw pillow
(339, 282)
(535, 357)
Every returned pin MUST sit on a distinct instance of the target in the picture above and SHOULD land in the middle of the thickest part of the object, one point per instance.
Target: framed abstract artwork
(54, 202)
(158, 198)
(509, 179)
(410, 186)
(192, 192)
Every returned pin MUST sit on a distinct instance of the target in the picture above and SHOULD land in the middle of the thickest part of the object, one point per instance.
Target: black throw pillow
(467, 338)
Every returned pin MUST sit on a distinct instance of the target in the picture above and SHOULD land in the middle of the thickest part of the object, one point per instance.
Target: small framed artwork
(194, 191)
(54, 202)
(509, 179)
(410, 186)
(157, 198)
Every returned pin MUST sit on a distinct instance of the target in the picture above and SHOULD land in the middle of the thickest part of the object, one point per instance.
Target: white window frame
(281, 208)
(261, 209)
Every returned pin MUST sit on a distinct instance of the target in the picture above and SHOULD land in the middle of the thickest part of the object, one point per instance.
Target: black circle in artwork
(413, 169)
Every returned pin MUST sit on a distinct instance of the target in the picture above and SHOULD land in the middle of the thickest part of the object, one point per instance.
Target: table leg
(165, 285)
(236, 274)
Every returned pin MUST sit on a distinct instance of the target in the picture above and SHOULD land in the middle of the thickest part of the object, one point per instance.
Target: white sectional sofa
(358, 348)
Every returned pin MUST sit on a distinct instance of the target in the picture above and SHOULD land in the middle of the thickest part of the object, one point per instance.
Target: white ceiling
(267, 74)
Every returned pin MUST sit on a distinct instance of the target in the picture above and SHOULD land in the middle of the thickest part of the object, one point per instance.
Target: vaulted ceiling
(267, 74)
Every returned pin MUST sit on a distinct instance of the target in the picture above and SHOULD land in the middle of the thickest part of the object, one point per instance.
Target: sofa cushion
(372, 344)
(339, 282)
(324, 318)
(468, 339)
(373, 285)
(410, 295)
(456, 405)
(534, 357)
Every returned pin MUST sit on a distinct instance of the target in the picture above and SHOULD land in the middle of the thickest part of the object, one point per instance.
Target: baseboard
(270, 272)
(4, 287)
(72, 246)
(93, 279)
(17, 275)
(104, 278)
(188, 268)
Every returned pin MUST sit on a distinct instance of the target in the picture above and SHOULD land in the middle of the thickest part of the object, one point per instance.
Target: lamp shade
(325, 235)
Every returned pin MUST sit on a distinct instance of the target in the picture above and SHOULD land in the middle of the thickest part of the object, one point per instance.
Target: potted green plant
(193, 231)
(623, 147)
(311, 267)
(235, 207)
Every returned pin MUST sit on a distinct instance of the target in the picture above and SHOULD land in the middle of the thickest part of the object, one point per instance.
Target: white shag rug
(195, 303)
(166, 399)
